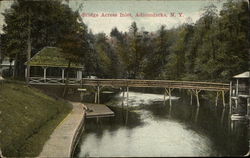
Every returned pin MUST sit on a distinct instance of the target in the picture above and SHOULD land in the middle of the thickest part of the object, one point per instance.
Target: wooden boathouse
(240, 102)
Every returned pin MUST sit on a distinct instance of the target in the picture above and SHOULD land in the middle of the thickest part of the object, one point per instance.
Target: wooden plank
(98, 110)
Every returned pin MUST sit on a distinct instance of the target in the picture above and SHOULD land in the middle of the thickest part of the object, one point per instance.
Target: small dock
(98, 111)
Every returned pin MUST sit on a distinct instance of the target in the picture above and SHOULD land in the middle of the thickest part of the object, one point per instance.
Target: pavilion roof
(51, 57)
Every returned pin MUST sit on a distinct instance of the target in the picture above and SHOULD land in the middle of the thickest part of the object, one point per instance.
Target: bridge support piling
(217, 97)
(223, 115)
(197, 97)
(123, 98)
(223, 98)
(168, 91)
(196, 114)
(164, 97)
(127, 105)
(127, 95)
(170, 101)
(191, 99)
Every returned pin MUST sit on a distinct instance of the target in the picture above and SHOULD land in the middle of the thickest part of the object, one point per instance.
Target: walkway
(62, 140)
(208, 86)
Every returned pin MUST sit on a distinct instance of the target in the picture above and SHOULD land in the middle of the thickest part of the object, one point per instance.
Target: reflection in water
(170, 110)
(197, 114)
(148, 130)
(223, 115)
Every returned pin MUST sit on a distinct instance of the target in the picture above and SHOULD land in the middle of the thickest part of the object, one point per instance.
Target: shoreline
(63, 140)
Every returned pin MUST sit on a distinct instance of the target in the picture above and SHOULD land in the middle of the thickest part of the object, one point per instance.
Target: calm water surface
(151, 128)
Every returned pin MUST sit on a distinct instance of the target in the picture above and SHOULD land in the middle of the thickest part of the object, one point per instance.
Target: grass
(27, 118)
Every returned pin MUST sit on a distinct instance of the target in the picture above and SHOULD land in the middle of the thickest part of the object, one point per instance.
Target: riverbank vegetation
(28, 117)
(214, 48)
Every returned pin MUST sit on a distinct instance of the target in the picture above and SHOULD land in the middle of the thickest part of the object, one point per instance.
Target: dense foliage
(40, 24)
(213, 48)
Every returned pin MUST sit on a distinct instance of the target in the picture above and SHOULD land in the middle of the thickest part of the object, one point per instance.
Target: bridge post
(223, 115)
(169, 95)
(123, 96)
(127, 106)
(196, 114)
(170, 101)
(197, 97)
(191, 97)
(164, 96)
(223, 98)
(127, 95)
(217, 97)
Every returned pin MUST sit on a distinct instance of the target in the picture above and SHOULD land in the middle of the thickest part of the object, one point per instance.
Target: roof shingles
(51, 57)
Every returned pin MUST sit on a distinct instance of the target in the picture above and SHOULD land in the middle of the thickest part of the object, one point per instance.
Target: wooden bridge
(168, 85)
(208, 86)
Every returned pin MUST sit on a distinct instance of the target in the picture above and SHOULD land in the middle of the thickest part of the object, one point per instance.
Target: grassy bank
(27, 118)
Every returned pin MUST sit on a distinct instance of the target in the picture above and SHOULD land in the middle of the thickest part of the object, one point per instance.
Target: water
(153, 129)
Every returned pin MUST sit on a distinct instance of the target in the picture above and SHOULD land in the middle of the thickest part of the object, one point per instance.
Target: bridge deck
(209, 86)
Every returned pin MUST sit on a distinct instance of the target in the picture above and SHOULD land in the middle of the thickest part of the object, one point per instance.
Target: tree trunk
(28, 49)
(65, 90)
(10, 68)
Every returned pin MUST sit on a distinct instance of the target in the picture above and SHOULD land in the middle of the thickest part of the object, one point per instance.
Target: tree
(157, 58)
(43, 22)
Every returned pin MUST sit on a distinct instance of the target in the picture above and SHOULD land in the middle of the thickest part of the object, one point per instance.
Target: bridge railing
(132, 83)
(156, 83)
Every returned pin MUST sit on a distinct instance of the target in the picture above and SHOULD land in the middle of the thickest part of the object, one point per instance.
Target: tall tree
(42, 23)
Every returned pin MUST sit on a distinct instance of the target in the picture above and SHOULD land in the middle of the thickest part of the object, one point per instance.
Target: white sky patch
(105, 24)
(189, 8)
(3, 5)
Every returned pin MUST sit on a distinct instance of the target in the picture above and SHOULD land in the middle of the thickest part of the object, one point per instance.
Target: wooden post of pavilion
(98, 95)
(95, 97)
(63, 72)
(44, 74)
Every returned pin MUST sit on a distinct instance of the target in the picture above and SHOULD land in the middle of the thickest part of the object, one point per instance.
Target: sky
(182, 9)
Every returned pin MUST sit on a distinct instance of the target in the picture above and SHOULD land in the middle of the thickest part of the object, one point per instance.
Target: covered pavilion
(49, 66)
